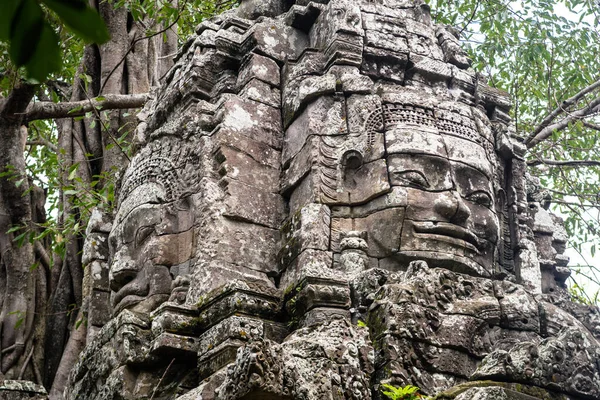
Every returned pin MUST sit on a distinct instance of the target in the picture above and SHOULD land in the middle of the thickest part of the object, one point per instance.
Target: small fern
(408, 392)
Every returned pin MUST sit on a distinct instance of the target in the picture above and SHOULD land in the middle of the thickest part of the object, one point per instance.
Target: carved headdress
(169, 161)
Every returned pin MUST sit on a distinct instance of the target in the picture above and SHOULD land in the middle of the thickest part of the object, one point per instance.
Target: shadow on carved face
(449, 219)
(148, 239)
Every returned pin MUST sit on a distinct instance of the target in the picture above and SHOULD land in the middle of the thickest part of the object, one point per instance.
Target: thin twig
(161, 379)
(22, 372)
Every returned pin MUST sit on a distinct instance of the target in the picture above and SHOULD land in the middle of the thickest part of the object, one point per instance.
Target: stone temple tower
(326, 198)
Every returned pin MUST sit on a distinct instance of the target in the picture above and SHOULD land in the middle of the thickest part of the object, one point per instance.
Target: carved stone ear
(352, 159)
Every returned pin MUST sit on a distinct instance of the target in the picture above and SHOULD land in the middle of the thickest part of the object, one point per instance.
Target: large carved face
(151, 240)
(147, 240)
(422, 185)
(449, 217)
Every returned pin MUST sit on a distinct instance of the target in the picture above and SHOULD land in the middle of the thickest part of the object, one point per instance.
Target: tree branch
(591, 125)
(570, 163)
(560, 109)
(543, 134)
(49, 110)
(43, 142)
(20, 96)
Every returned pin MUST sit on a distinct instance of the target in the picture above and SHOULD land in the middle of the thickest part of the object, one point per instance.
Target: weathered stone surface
(566, 363)
(325, 199)
(18, 390)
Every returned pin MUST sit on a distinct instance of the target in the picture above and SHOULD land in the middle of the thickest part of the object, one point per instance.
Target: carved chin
(140, 304)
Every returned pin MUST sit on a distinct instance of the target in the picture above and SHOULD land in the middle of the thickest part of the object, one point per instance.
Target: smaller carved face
(146, 240)
(342, 19)
(345, 17)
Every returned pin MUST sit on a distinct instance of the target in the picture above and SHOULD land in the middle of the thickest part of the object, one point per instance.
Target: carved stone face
(147, 239)
(449, 217)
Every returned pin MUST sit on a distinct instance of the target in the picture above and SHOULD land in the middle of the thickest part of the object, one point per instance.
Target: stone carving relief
(326, 198)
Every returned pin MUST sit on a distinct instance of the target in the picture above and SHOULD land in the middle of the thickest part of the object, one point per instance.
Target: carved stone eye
(480, 197)
(414, 178)
(142, 234)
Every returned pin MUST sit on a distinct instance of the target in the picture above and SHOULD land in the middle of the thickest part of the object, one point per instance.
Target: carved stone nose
(122, 271)
(462, 213)
(452, 207)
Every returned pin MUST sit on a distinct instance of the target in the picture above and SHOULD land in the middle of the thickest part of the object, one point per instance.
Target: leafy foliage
(34, 43)
(408, 392)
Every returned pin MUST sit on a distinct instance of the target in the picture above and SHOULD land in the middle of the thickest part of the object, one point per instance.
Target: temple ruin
(325, 198)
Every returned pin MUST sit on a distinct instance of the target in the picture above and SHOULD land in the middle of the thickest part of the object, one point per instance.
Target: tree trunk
(18, 278)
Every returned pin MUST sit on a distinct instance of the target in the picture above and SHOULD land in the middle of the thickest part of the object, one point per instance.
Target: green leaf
(81, 19)
(20, 239)
(14, 229)
(46, 58)
(8, 9)
(73, 171)
(76, 109)
(20, 319)
(26, 31)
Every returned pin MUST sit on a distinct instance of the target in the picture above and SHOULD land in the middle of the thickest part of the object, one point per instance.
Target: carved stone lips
(129, 294)
(450, 231)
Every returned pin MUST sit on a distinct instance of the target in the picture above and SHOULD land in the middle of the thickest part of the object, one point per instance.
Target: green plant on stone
(408, 392)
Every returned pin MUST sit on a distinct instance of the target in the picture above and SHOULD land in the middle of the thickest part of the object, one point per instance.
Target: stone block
(309, 263)
(278, 41)
(100, 310)
(95, 247)
(379, 64)
(246, 203)
(519, 309)
(302, 92)
(98, 271)
(261, 92)
(240, 166)
(314, 292)
(325, 116)
(259, 151)
(180, 348)
(252, 299)
(359, 185)
(254, 120)
(397, 197)
(301, 164)
(100, 222)
(382, 242)
(396, 44)
(308, 228)
(20, 389)
(305, 193)
(175, 318)
(255, 66)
